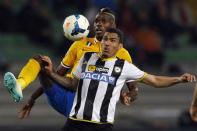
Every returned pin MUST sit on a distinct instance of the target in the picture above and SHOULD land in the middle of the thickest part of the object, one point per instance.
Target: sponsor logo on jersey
(85, 62)
(99, 69)
(117, 69)
(99, 77)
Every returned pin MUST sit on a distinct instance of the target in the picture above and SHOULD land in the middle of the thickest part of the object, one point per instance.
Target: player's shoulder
(82, 42)
(124, 54)
(123, 50)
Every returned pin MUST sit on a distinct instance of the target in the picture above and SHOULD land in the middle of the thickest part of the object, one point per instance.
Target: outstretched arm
(165, 81)
(193, 108)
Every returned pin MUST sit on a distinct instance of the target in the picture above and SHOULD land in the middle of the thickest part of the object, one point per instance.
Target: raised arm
(26, 108)
(68, 83)
(165, 81)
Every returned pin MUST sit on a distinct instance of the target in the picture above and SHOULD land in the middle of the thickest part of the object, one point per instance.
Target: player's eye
(113, 40)
(103, 20)
(105, 38)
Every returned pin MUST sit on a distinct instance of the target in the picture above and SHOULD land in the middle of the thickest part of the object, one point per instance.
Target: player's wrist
(31, 101)
(178, 80)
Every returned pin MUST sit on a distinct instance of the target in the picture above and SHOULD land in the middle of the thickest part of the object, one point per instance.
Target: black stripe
(79, 88)
(92, 89)
(110, 88)
(88, 43)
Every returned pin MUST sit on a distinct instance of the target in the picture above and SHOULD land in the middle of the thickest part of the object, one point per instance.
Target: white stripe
(89, 43)
(62, 64)
(72, 112)
(102, 88)
(115, 98)
(84, 91)
(83, 97)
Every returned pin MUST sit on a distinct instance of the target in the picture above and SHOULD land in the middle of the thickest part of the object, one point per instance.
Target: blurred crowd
(150, 26)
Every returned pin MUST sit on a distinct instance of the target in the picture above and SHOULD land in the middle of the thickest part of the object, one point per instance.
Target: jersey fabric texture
(100, 83)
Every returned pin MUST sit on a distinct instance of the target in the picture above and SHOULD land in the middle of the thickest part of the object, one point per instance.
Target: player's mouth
(106, 50)
(99, 31)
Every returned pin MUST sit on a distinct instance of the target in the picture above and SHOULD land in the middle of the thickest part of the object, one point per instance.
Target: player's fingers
(188, 77)
(193, 78)
(23, 109)
(128, 100)
(127, 103)
(46, 58)
(124, 93)
(21, 114)
(27, 113)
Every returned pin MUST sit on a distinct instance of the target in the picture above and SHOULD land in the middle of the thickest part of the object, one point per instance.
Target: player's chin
(99, 35)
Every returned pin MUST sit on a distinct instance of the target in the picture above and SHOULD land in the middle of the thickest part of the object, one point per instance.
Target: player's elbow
(152, 80)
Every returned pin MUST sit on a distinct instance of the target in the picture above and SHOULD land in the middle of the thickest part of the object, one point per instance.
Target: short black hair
(108, 12)
(118, 32)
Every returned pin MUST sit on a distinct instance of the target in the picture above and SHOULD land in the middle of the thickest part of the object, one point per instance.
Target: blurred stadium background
(161, 36)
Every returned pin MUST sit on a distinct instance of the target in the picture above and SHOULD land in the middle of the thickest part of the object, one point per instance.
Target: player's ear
(120, 45)
(114, 25)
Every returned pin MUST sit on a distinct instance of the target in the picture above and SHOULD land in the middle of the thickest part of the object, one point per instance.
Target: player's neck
(98, 38)
(105, 57)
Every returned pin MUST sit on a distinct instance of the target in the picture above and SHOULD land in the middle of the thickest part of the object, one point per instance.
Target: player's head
(111, 42)
(104, 19)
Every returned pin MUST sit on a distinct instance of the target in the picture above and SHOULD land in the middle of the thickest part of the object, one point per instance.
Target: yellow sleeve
(71, 55)
(124, 54)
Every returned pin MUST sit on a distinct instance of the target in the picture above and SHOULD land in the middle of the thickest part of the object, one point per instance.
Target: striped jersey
(100, 83)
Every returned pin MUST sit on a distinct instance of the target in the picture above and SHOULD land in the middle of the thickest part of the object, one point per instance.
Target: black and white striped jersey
(99, 87)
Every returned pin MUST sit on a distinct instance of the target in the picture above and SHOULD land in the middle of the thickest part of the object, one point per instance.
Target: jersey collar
(95, 40)
(105, 59)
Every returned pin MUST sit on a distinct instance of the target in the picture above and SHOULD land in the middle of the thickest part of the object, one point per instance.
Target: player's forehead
(111, 35)
(103, 16)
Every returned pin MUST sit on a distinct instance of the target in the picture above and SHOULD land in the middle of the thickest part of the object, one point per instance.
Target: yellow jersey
(78, 48)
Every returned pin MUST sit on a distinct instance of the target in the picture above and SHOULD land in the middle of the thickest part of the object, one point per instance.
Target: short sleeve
(70, 57)
(132, 73)
(77, 72)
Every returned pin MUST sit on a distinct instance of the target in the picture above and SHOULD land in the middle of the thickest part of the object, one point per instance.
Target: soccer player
(60, 99)
(99, 78)
(193, 108)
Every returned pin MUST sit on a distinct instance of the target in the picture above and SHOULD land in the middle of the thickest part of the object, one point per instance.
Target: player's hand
(26, 109)
(193, 113)
(188, 78)
(49, 66)
(127, 97)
